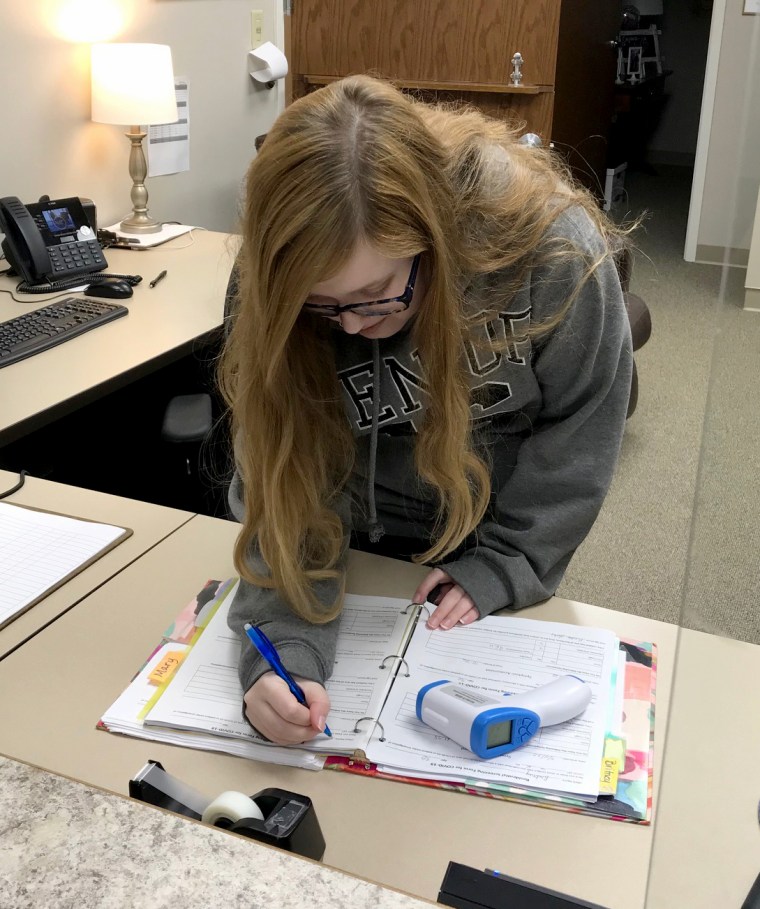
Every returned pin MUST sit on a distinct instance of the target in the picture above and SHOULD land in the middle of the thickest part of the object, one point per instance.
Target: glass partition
(723, 571)
(706, 849)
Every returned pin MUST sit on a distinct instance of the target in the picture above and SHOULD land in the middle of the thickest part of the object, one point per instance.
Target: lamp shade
(133, 84)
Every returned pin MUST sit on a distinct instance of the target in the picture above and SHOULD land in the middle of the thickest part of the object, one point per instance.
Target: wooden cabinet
(431, 41)
(460, 50)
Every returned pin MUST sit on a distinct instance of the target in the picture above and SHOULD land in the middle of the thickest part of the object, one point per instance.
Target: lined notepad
(40, 550)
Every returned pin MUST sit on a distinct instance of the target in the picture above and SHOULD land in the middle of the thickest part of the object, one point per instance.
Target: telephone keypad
(84, 255)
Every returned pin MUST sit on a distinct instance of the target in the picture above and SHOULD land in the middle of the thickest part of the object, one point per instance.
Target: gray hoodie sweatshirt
(549, 414)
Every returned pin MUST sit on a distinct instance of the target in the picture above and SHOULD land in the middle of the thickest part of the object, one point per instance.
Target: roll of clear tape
(231, 806)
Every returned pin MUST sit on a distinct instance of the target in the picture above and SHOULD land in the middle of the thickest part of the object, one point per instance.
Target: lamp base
(140, 224)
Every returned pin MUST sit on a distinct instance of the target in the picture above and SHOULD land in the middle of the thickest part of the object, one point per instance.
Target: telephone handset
(49, 240)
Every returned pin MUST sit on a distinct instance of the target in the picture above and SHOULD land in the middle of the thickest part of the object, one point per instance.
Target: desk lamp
(134, 84)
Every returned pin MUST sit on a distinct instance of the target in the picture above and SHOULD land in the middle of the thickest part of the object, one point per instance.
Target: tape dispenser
(273, 816)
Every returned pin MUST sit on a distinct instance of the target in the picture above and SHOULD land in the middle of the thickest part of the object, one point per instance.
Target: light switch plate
(257, 27)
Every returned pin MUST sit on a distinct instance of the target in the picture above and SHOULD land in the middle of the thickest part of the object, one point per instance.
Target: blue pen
(267, 649)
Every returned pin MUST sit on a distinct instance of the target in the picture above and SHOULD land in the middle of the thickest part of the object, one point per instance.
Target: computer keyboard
(43, 328)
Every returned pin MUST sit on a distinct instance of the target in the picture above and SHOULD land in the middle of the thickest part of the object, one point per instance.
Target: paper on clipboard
(42, 550)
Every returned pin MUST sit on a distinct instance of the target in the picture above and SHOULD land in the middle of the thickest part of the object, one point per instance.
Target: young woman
(430, 358)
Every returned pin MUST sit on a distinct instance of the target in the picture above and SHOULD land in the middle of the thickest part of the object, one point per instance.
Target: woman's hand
(273, 710)
(452, 603)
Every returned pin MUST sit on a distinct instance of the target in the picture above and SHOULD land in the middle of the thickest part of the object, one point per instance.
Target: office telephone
(50, 241)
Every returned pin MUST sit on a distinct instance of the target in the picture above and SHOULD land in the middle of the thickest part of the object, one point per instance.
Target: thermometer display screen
(499, 734)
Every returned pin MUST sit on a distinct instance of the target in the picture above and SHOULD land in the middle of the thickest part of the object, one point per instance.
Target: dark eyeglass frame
(405, 299)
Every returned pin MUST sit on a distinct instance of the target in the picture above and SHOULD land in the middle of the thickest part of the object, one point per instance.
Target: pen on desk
(159, 277)
(267, 649)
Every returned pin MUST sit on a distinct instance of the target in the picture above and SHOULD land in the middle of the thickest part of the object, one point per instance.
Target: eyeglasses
(385, 307)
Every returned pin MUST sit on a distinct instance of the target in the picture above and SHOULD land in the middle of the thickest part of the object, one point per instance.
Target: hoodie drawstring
(376, 529)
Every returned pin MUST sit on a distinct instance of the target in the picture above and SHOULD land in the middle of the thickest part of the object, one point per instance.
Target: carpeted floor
(677, 538)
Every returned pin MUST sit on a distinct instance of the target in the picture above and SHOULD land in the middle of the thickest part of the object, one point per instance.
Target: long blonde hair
(359, 159)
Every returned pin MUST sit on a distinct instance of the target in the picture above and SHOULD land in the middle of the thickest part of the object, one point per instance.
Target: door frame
(282, 40)
(705, 128)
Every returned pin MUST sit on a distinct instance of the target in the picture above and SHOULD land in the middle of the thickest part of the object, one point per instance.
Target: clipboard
(41, 550)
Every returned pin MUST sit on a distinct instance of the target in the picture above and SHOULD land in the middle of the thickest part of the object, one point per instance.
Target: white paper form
(205, 694)
(38, 550)
(169, 143)
(498, 655)
(123, 717)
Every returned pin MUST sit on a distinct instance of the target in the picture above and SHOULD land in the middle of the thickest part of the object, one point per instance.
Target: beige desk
(162, 325)
(398, 835)
(150, 524)
(707, 839)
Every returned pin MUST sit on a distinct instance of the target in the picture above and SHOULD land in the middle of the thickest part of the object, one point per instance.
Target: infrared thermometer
(488, 725)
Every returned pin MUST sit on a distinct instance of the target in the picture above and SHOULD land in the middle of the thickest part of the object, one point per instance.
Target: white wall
(727, 172)
(51, 146)
(752, 281)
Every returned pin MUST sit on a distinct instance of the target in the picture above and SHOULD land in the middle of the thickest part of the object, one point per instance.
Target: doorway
(662, 169)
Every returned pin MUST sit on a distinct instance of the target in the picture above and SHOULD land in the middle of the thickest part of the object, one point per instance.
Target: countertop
(64, 844)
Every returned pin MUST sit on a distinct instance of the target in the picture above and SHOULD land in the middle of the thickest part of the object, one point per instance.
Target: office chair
(189, 427)
(639, 317)
(187, 421)
(186, 430)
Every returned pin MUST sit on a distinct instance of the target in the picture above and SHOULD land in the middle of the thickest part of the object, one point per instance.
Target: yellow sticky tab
(613, 762)
(166, 668)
